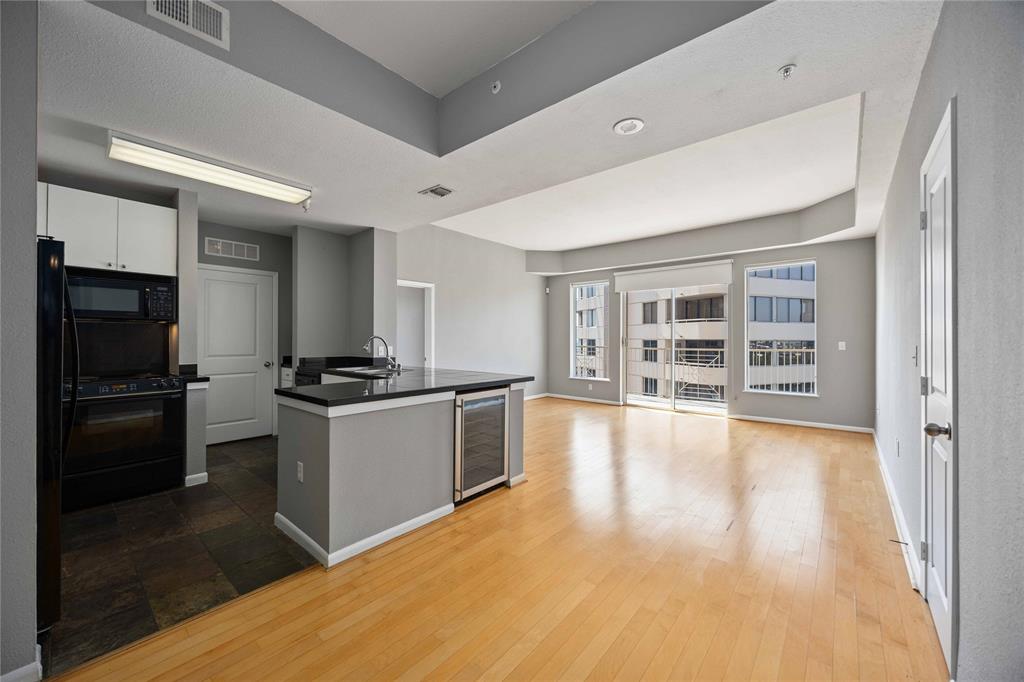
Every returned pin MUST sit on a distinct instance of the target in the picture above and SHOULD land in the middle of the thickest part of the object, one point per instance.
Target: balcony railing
(782, 370)
(590, 362)
(698, 374)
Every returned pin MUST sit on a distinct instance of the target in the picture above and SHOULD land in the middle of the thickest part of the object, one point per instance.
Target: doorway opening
(414, 345)
(676, 348)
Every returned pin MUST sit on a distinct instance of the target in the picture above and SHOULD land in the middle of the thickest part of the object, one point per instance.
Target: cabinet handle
(109, 264)
(123, 266)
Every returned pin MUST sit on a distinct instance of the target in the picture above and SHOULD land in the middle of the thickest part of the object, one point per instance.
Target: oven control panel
(115, 387)
(161, 303)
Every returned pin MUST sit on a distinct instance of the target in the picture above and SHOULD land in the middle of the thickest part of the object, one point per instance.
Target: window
(781, 357)
(650, 350)
(651, 312)
(589, 332)
(650, 386)
(700, 308)
(760, 309)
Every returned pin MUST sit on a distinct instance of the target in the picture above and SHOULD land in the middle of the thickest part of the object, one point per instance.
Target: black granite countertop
(412, 381)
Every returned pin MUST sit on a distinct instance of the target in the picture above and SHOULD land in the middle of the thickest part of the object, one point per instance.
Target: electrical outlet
(842, 345)
(590, 387)
(298, 472)
(382, 352)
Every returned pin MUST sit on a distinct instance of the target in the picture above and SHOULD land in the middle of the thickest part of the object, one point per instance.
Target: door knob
(933, 430)
(268, 363)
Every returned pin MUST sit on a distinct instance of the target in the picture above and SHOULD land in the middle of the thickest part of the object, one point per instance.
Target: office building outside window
(781, 352)
(590, 331)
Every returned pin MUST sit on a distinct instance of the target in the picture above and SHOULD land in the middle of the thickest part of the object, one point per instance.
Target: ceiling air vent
(436, 191)
(229, 249)
(201, 18)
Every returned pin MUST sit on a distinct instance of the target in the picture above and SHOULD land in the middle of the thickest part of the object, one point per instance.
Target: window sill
(786, 393)
(590, 379)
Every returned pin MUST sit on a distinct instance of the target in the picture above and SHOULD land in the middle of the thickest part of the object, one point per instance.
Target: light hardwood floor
(645, 545)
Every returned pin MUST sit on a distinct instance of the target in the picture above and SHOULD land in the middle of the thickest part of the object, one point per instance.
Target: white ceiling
(437, 46)
(782, 165)
(149, 85)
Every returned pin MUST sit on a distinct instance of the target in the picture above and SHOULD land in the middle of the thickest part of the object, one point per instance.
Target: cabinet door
(147, 238)
(40, 208)
(86, 223)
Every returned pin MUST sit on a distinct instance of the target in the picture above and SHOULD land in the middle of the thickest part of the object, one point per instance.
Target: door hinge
(924, 551)
(924, 220)
(925, 386)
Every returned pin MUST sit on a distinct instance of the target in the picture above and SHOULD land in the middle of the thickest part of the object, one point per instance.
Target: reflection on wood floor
(645, 544)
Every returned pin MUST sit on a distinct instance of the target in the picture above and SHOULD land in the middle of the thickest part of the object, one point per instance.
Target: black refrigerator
(53, 304)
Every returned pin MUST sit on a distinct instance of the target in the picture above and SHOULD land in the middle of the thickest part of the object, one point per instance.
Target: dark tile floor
(134, 567)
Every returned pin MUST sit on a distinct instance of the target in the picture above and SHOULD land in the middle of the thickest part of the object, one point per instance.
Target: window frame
(770, 267)
(573, 341)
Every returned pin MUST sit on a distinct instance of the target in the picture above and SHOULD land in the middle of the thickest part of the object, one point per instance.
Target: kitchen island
(363, 461)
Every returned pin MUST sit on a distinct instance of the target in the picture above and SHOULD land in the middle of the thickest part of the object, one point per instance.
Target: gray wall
(17, 334)
(360, 290)
(195, 436)
(320, 292)
(187, 204)
(385, 285)
(490, 313)
(845, 312)
(275, 256)
(977, 55)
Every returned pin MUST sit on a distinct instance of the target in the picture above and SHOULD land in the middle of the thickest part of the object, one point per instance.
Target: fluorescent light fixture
(162, 158)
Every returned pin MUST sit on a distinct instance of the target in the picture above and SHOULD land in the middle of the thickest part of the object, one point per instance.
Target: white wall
(977, 55)
(490, 313)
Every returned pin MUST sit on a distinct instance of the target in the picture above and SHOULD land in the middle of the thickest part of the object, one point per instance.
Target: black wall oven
(123, 404)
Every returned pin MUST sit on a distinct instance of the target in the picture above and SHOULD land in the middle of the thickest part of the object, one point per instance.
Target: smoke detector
(438, 191)
(787, 71)
(628, 126)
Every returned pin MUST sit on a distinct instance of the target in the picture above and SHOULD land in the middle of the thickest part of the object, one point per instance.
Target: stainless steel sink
(372, 372)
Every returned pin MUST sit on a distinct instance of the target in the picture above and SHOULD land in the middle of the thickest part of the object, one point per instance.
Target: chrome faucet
(368, 347)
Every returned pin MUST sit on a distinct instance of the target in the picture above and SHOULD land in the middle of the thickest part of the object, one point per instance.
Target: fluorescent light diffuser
(158, 157)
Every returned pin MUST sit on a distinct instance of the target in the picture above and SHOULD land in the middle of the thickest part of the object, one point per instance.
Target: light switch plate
(842, 345)
(382, 352)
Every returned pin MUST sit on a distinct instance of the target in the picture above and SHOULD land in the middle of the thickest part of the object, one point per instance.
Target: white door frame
(428, 317)
(948, 123)
(274, 325)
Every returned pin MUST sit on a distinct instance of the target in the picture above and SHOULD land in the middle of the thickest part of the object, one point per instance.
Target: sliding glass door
(677, 347)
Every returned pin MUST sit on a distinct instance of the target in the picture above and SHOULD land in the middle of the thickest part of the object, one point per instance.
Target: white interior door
(237, 328)
(939, 382)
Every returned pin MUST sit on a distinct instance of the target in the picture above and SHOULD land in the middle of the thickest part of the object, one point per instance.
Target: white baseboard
(794, 422)
(30, 672)
(535, 396)
(902, 529)
(196, 479)
(334, 558)
(516, 480)
(586, 400)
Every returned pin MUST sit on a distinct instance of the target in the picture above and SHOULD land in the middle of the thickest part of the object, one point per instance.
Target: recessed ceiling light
(159, 157)
(787, 71)
(628, 126)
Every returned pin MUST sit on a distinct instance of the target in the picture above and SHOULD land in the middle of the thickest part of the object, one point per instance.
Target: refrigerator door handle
(69, 310)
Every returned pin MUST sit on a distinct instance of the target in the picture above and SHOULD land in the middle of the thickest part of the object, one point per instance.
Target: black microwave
(102, 295)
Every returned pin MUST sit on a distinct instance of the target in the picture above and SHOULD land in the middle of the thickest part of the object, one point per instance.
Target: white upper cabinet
(86, 223)
(41, 188)
(147, 238)
(108, 233)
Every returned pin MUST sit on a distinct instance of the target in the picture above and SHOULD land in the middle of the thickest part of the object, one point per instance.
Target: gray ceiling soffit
(786, 229)
(596, 44)
(280, 47)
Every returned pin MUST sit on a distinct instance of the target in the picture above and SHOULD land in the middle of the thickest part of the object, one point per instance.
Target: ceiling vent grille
(436, 191)
(229, 249)
(201, 18)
